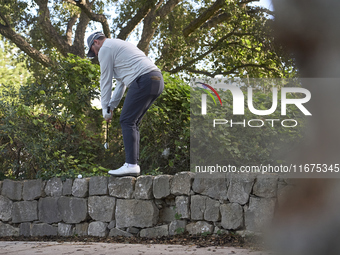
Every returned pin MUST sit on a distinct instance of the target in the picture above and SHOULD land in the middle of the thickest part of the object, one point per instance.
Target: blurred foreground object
(308, 223)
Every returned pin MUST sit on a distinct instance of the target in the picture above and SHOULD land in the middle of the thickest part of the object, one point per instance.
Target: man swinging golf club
(134, 70)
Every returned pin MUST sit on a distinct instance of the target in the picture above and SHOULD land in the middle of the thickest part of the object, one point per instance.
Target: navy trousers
(140, 96)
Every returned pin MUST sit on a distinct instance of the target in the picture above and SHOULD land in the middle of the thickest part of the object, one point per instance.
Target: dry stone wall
(147, 206)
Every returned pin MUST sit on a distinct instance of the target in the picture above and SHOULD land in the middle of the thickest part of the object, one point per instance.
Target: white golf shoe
(126, 170)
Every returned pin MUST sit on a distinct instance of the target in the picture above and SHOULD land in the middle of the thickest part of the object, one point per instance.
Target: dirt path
(78, 248)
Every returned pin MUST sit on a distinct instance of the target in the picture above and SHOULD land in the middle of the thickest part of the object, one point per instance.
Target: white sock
(132, 165)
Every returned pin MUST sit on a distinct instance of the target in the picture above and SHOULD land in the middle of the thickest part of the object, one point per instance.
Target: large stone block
(240, 187)
(25, 229)
(144, 186)
(161, 186)
(54, 187)
(6, 206)
(48, 210)
(8, 230)
(136, 213)
(199, 227)
(212, 210)
(81, 229)
(67, 187)
(98, 185)
(167, 214)
(32, 189)
(183, 207)
(73, 209)
(119, 232)
(80, 187)
(25, 211)
(213, 187)
(133, 230)
(259, 213)
(197, 207)
(232, 216)
(98, 228)
(102, 208)
(177, 227)
(65, 229)
(121, 187)
(204, 208)
(158, 231)
(112, 224)
(12, 189)
(265, 186)
(43, 229)
(181, 183)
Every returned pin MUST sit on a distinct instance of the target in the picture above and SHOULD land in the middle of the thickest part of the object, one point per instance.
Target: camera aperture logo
(239, 102)
(205, 88)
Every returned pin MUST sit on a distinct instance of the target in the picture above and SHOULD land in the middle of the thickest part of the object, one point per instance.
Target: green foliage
(51, 129)
(65, 89)
(165, 129)
(234, 39)
(180, 231)
(178, 216)
(206, 233)
(154, 172)
(13, 72)
(241, 43)
(219, 232)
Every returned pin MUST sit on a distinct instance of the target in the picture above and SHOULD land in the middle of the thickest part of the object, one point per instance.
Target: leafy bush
(164, 132)
(165, 129)
(51, 129)
(239, 145)
(35, 145)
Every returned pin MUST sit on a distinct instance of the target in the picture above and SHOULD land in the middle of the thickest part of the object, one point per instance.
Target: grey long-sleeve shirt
(123, 61)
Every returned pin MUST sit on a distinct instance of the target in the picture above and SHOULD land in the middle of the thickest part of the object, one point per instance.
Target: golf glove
(106, 115)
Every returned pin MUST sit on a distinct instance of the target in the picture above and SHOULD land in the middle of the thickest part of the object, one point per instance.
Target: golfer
(134, 70)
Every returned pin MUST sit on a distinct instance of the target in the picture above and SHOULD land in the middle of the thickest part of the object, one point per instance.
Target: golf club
(106, 145)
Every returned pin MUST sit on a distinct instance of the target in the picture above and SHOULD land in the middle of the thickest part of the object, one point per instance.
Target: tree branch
(167, 8)
(86, 7)
(192, 70)
(3, 17)
(70, 25)
(203, 18)
(140, 15)
(246, 65)
(149, 29)
(150, 23)
(216, 20)
(248, 1)
(231, 71)
(52, 35)
(17, 39)
(78, 44)
(71, 2)
(200, 57)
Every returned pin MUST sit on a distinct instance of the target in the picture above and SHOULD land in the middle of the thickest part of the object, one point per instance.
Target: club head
(106, 146)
